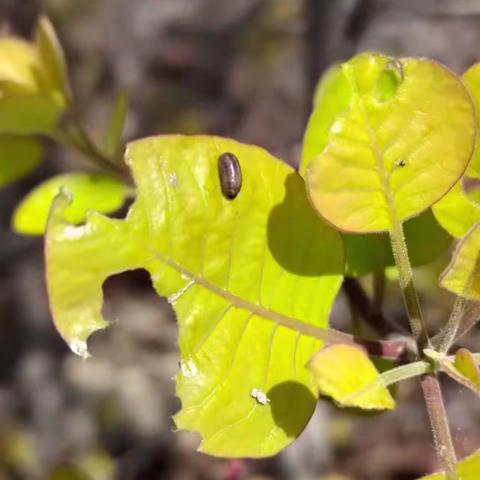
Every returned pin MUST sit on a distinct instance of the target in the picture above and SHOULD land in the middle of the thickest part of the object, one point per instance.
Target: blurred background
(239, 68)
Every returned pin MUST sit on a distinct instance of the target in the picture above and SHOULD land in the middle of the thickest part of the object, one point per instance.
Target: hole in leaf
(389, 81)
(135, 308)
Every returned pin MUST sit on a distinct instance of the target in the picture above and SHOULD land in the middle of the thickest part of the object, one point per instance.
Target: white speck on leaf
(79, 347)
(259, 396)
(188, 368)
(72, 232)
(172, 177)
(337, 127)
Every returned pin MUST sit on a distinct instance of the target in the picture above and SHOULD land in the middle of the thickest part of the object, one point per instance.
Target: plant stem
(430, 384)
(470, 316)
(394, 375)
(453, 325)
(438, 419)
(72, 134)
(405, 277)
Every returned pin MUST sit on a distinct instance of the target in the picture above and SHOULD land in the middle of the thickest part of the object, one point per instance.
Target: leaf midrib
(326, 334)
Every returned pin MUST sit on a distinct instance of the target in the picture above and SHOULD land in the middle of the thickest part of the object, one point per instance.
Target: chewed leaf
(242, 275)
(462, 276)
(466, 469)
(345, 373)
(78, 261)
(18, 157)
(463, 369)
(457, 212)
(387, 137)
(98, 192)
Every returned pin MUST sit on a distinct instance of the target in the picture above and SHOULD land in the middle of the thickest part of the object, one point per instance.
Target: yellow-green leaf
(243, 276)
(465, 363)
(386, 158)
(29, 115)
(466, 469)
(18, 157)
(19, 63)
(113, 136)
(457, 212)
(29, 101)
(345, 373)
(471, 79)
(97, 192)
(463, 369)
(426, 241)
(462, 276)
(51, 55)
(334, 95)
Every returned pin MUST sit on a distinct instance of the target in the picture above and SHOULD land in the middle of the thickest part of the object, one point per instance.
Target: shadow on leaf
(299, 240)
(292, 406)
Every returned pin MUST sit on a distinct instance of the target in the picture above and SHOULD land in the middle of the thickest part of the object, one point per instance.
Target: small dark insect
(230, 175)
(400, 163)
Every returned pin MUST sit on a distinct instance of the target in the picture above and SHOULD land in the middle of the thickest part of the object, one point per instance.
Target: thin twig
(471, 316)
(71, 134)
(450, 330)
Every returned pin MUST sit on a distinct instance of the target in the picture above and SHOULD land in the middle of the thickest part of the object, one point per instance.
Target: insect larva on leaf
(230, 175)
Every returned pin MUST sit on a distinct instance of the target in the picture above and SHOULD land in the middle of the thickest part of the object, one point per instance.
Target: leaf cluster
(387, 177)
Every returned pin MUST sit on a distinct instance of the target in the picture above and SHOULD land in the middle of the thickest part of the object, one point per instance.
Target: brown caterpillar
(230, 175)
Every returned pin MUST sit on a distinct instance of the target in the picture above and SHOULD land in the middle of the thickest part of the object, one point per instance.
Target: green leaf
(18, 157)
(390, 143)
(91, 192)
(244, 276)
(29, 104)
(51, 55)
(457, 211)
(68, 473)
(29, 115)
(467, 469)
(471, 78)
(19, 63)
(345, 373)
(113, 137)
(334, 95)
(465, 363)
(426, 241)
(462, 276)
(463, 369)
